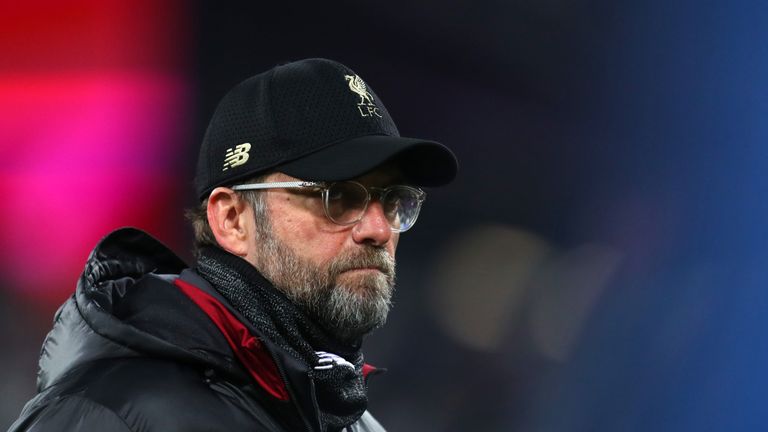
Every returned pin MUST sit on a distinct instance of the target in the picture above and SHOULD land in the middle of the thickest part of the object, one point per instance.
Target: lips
(365, 269)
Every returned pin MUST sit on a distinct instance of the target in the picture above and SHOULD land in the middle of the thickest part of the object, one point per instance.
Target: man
(305, 186)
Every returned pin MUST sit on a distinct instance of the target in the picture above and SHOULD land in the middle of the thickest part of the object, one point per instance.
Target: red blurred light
(93, 117)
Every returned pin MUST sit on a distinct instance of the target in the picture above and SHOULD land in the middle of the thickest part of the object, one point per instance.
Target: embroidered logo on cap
(366, 106)
(237, 156)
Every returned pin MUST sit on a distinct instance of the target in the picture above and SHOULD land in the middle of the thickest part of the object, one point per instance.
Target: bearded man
(305, 186)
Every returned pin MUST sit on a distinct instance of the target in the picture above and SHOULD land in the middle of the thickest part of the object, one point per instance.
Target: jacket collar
(276, 372)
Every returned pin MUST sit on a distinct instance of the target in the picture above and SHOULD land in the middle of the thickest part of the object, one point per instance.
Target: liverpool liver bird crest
(357, 85)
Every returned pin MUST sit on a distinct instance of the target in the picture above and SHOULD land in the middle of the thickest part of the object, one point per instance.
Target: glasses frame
(323, 187)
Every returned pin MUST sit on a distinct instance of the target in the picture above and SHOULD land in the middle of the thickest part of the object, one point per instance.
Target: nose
(374, 227)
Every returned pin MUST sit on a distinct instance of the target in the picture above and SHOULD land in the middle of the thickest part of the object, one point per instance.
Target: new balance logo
(329, 360)
(237, 156)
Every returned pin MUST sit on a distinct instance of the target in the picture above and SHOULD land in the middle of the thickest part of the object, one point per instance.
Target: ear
(231, 220)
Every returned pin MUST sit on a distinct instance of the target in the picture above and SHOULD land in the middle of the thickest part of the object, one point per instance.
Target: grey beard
(348, 310)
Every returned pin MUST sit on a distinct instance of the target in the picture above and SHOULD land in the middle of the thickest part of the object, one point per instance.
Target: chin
(363, 281)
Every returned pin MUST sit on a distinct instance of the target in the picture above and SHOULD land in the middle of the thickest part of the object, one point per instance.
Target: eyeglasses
(345, 202)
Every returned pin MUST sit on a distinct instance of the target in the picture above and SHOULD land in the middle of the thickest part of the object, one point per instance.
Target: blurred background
(599, 264)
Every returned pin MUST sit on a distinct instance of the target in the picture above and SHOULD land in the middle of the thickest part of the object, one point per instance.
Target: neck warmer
(335, 368)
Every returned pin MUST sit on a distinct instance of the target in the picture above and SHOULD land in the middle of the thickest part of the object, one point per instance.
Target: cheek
(307, 235)
(394, 241)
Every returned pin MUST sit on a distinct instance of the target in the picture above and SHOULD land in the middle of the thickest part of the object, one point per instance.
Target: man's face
(343, 276)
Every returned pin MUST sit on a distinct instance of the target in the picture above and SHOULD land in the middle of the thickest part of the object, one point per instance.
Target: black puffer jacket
(131, 351)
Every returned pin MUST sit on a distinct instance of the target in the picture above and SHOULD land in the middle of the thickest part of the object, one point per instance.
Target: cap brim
(422, 163)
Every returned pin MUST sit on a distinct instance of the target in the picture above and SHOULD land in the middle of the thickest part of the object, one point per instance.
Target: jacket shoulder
(145, 395)
(72, 414)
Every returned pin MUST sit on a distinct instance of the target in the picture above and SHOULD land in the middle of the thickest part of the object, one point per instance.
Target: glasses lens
(401, 205)
(345, 202)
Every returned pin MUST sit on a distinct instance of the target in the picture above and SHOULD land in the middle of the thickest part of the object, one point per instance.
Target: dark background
(599, 263)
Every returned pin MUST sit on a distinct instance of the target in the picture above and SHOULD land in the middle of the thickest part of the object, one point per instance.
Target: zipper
(283, 376)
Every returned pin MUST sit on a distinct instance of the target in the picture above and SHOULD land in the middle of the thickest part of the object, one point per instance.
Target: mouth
(364, 269)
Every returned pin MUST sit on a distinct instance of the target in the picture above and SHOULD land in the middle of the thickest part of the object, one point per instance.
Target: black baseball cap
(315, 120)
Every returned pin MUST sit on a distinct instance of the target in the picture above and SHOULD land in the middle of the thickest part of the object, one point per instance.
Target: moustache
(366, 258)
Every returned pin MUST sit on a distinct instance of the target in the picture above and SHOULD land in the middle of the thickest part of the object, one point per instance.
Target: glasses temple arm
(256, 186)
